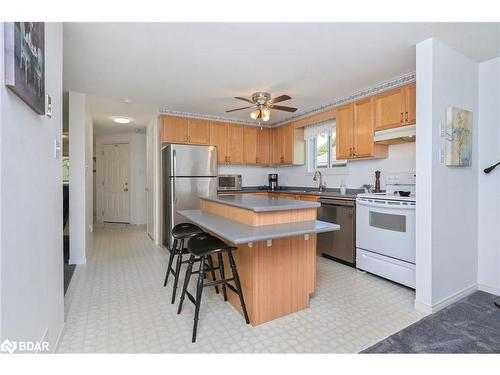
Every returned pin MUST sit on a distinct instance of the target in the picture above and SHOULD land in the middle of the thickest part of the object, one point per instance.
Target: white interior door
(116, 183)
(149, 184)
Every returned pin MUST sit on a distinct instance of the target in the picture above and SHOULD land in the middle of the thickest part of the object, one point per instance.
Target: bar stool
(180, 233)
(202, 246)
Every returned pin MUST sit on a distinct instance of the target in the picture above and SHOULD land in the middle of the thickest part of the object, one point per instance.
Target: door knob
(125, 189)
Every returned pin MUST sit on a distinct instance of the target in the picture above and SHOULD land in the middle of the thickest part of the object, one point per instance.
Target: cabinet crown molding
(390, 84)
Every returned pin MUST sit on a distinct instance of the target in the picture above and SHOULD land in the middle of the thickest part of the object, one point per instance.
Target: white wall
(401, 158)
(447, 207)
(31, 221)
(137, 143)
(80, 177)
(489, 185)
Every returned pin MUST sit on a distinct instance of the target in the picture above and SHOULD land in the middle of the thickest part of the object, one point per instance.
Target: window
(321, 143)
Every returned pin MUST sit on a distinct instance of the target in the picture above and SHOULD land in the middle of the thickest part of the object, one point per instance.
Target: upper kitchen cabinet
(218, 136)
(355, 131)
(263, 146)
(234, 144)
(250, 145)
(198, 132)
(345, 131)
(185, 130)
(174, 129)
(395, 108)
(228, 139)
(288, 145)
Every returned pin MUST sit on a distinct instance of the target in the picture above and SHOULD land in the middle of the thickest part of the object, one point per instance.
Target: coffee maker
(273, 181)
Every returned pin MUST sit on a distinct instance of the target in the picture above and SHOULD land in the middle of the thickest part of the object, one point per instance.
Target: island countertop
(238, 233)
(260, 203)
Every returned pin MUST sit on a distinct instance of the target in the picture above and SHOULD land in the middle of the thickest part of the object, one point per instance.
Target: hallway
(116, 303)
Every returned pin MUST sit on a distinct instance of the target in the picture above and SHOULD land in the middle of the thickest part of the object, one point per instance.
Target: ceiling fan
(263, 103)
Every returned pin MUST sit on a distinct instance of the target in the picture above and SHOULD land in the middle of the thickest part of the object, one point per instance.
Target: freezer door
(183, 194)
(187, 160)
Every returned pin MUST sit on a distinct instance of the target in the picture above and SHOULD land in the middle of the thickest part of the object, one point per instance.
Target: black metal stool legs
(222, 275)
(238, 285)
(187, 277)
(212, 271)
(173, 252)
(199, 291)
(177, 271)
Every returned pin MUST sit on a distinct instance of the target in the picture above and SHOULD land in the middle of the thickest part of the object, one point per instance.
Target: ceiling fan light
(255, 114)
(266, 114)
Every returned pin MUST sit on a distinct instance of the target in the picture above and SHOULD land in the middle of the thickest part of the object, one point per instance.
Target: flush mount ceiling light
(121, 120)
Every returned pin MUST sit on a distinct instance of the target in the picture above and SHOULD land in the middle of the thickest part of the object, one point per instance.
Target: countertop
(238, 233)
(258, 203)
(330, 193)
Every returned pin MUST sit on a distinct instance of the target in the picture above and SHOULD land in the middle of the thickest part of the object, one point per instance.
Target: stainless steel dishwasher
(338, 245)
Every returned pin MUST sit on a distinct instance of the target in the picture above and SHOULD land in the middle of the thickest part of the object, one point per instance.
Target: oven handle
(385, 205)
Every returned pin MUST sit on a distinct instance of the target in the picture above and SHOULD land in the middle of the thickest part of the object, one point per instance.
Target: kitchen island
(276, 256)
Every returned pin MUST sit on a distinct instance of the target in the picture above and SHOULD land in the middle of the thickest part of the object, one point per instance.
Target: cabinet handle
(350, 151)
(401, 117)
(406, 116)
(229, 159)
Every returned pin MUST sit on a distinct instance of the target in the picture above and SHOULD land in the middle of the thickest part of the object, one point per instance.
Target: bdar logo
(8, 346)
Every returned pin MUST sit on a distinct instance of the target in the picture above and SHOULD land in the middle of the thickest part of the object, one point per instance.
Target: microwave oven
(229, 182)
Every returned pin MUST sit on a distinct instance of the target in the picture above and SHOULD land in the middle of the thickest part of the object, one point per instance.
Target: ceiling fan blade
(244, 99)
(239, 109)
(283, 108)
(280, 98)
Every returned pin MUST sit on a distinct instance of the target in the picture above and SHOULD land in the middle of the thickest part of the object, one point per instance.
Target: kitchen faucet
(322, 185)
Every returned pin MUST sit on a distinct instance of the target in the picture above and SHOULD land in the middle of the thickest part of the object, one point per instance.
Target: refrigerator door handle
(174, 167)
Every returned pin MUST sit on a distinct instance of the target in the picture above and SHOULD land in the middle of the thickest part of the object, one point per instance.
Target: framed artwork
(458, 137)
(25, 62)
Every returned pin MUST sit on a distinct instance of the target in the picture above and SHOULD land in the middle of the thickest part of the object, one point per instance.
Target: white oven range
(385, 230)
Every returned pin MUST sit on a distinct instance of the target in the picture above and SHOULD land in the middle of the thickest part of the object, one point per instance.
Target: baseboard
(488, 289)
(427, 309)
(422, 307)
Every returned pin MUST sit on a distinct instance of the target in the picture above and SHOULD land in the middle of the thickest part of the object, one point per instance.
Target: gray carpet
(471, 325)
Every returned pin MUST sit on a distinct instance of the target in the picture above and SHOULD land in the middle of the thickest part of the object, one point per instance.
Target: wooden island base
(277, 280)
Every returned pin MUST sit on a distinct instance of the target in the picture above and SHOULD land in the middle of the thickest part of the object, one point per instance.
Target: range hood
(397, 135)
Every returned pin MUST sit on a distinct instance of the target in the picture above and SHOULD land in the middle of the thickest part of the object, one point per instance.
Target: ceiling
(103, 110)
(199, 67)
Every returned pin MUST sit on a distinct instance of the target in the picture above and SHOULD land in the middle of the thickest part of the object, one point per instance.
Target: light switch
(57, 149)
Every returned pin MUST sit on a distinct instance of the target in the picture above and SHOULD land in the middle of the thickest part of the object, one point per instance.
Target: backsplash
(359, 172)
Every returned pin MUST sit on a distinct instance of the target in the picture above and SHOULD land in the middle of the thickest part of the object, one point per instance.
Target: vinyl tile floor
(116, 303)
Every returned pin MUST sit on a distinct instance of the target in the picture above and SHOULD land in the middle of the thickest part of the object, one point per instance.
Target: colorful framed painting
(25, 62)
(458, 137)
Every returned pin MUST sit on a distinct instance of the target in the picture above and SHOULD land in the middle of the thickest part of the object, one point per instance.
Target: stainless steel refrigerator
(189, 172)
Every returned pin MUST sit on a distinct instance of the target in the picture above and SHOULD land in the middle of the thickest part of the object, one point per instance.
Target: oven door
(386, 227)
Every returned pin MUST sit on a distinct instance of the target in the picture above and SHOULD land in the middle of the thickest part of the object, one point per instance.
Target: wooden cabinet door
(234, 144)
(288, 144)
(363, 128)
(410, 104)
(175, 129)
(310, 198)
(218, 138)
(277, 145)
(198, 132)
(288, 196)
(250, 145)
(389, 109)
(344, 131)
(263, 146)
